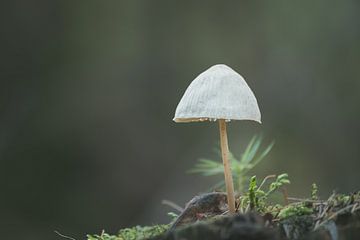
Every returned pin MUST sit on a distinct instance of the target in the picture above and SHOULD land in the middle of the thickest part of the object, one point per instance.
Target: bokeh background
(89, 89)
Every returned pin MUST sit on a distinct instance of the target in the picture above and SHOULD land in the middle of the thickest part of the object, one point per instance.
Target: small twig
(353, 209)
(324, 211)
(316, 225)
(237, 206)
(173, 205)
(328, 206)
(320, 208)
(304, 200)
(265, 179)
(322, 214)
(285, 195)
(357, 208)
(333, 216)
(276, 220)
(64, 236)
(331, 196)
(226, 212)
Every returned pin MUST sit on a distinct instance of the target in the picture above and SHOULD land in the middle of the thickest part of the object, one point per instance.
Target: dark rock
(244, 227)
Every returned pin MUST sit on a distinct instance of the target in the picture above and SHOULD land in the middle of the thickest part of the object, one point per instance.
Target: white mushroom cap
(218, 93)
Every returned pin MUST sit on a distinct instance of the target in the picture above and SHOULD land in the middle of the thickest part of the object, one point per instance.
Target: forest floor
(335, 218)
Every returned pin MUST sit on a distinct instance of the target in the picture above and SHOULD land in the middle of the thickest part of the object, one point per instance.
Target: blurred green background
(89, 89)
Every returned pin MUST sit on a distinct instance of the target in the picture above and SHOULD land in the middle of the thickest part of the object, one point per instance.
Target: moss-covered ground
(337, 217)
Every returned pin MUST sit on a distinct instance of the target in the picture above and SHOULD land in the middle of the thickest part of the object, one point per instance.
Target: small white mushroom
(221, 94)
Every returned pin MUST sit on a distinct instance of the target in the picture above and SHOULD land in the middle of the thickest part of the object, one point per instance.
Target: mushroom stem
(227, 170)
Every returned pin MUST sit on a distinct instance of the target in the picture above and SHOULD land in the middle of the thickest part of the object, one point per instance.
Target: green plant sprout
(255, 198)
(239, 167)
(314, 192)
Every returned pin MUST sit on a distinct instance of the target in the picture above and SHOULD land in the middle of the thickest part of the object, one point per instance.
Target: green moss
(134, 233)
(294, 210)
(314, 192)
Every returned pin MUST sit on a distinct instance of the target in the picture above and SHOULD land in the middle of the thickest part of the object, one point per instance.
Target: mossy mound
(336, 218)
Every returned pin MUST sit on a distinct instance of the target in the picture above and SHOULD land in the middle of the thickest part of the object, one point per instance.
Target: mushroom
(219, 93)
